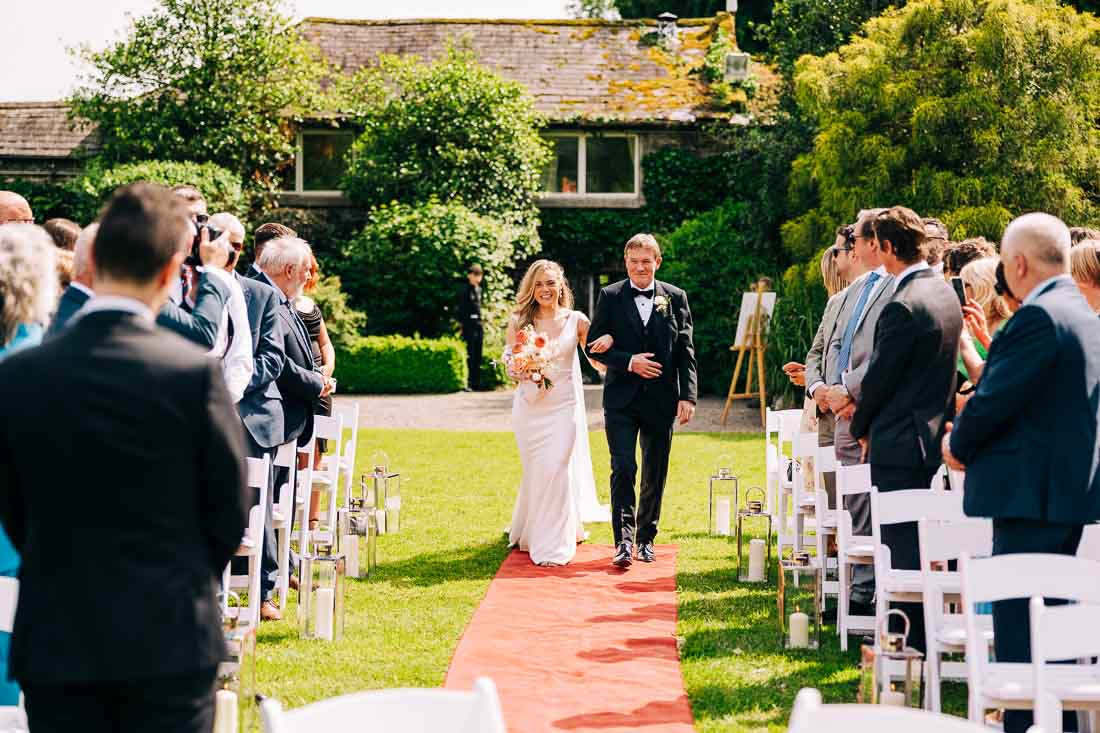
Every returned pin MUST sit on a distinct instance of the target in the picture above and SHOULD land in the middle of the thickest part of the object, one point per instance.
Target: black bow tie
(641, 293)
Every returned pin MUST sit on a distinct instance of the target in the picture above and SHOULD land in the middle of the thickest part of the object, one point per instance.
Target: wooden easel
(755, 333)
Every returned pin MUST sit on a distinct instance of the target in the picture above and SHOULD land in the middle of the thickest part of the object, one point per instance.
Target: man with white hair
(233, 344)
(1028, 437)
(82, 287)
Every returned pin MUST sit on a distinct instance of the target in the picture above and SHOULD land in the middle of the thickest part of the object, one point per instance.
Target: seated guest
(146, 544)
(1084, 262)
(14, 209)
(958, 255)
(81, 287)
(63, 232)
(27, 289)
(1082, 234)
(1040, 381)
(234, 342)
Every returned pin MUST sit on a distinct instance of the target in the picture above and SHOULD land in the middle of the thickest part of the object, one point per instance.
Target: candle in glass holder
(724, 517)
(380, 520)
(800, 630)
(351, 555)
(756, 560)
(225, 711)
(325, 605)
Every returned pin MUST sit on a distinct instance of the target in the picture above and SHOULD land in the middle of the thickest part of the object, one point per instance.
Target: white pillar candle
(891, 697)
(351, 555)
(380, 517)
(724, 517)
(756, 561)
(800, 630)
(225, 711)
(322, 619)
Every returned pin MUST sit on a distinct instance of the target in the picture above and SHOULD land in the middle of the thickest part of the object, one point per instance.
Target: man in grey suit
(849, 353)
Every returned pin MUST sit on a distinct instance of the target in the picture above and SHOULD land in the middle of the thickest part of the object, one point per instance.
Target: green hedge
(401, 365)
(222, 188)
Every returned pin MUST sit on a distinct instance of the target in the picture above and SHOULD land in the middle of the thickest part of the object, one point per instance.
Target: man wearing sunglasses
(234, 343)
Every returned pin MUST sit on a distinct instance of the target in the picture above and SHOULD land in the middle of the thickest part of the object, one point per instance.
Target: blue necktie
(850, 329)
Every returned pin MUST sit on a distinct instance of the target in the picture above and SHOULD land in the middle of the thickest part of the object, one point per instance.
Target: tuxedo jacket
(122, 486)
(300, 382)
(908, 391)
(261, 406)
(200, 326)
(667, 335)
(72, 300)
(1028, 436)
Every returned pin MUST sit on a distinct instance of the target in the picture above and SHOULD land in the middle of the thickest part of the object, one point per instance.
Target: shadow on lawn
(434, 568)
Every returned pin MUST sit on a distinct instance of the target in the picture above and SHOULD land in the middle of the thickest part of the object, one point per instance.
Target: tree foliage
(202, 80)
(750, 13)
(815, 27)
(220, 187)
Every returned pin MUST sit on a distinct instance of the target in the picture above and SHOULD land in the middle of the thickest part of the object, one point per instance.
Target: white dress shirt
(913, 268)
(644, 304)
(115, 303)
(858, 284)
(1038, 289)
(236, 356)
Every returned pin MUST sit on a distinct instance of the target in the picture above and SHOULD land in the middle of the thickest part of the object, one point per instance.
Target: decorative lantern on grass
(235, 708)
(722, 493)
(387, 494)
(321, 595)
(795, 631)
(878, 662)
(760, 550)
(351, 524)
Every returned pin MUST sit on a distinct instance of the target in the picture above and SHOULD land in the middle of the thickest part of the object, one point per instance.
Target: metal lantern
(351, 524)
(321, 595)
(387, 494)
(324, 533)
(235, 707)
(892, 650)
(760, 550)
(802, 630)
(721, 503)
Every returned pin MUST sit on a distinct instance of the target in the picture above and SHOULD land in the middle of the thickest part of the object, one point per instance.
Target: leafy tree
(220, 187)
(202, 80)
(814, 27)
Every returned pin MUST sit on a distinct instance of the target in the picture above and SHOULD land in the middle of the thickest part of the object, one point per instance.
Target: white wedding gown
(558, 491)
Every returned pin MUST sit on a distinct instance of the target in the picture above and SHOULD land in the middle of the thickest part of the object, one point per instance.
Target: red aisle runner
(585, 647)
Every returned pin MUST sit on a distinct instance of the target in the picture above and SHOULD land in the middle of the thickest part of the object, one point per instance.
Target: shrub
(49, 200)
(345, 324)
(401, 365)
(221, 187)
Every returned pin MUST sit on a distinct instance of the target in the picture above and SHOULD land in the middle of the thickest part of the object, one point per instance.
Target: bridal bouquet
(529, 358)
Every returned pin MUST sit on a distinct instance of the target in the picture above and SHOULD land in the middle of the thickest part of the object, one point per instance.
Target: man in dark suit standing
(651, 382)
(1028, 437)
(142, 546)
(468, 313)
(908, 392)
(83, 283)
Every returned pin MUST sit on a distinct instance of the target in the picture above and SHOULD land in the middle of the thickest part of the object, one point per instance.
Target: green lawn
(458, 488)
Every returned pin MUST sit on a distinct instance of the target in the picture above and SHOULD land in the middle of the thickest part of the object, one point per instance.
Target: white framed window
(604, 165)
(319, 162)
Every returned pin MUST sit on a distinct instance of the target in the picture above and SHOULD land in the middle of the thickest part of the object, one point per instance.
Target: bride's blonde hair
(526, 305)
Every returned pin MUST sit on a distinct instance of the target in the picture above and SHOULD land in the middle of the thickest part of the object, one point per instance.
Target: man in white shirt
(233, 344)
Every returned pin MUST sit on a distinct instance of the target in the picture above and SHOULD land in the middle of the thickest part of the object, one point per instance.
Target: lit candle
(322, 620)
(225, 712)
(393, 509)
(351, 555)
(724, 517)
(891, 697)
(756, 561)
(800, 630)
(380, 518)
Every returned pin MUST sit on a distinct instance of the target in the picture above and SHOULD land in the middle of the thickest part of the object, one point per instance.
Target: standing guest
(1082, 234)
(936, 240)
(1085, 268)
(144, 652)
(468, 313)
(959, 254)
(233, 345)
(81, 286)
(14, 209)
(63, 231)
(64, 268)
(909, 388)
(980, 285)
(324, 358)
(264, 234)
(1039, 492)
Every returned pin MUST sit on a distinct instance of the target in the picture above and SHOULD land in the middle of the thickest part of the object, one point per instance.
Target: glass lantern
(351, 524)
(878, 662)
(321, 595)
(760, 550)
(721, 503)
(235, 707)
(324, 533)
(801, 630)
(387, 494)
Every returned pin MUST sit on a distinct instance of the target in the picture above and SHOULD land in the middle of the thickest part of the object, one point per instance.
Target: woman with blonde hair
(980, 283)
(558, 491)
(1084, 265)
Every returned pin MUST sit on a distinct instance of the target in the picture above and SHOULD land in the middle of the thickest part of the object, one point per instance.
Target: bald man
(1028, 436)
(81, 289)
(14, 209)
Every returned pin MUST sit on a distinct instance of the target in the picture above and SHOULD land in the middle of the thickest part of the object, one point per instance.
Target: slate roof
(577, 70)
(42, 130)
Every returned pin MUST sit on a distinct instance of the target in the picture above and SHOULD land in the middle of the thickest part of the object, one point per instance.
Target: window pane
(323, 160)
(610, 165)
(560, 176)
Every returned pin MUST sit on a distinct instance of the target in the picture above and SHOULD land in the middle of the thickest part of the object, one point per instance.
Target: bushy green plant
(406, 265)
(589, 240)
(815, 27)
(49, 200)
(345, 324)
(401, 365)
(220, 187)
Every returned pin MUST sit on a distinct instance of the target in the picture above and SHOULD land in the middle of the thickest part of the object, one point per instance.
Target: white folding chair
(1090, 542)
(1061, 633)
(945, 633)
(282, 517)
(825, 519)
(348, 412)
(784, 424)
(1011, 685)
(851, 550)
(13, 719)
(803, 450)
(811, 716)
(330, 429)
(407, 711)
(252, 544)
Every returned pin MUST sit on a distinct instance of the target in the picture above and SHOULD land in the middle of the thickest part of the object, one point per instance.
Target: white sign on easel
(748, 311)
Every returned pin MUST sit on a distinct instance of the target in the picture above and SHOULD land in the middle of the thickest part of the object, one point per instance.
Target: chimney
(666, 27)
(737, 66)
(731, 7)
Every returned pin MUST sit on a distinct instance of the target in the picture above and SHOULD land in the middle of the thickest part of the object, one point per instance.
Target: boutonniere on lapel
(660, 302)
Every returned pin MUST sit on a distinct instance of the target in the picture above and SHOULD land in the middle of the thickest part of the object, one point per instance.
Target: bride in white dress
(558, 492)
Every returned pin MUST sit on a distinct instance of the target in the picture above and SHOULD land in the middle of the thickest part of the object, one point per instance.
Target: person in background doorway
(468, 314)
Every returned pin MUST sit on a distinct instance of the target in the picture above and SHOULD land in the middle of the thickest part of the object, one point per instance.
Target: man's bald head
(1034, 248)
(83, 267)
(232, 226)
(14, 209)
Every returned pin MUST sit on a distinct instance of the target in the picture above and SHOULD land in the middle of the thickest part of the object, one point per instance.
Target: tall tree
(202, 80)
(750, 14)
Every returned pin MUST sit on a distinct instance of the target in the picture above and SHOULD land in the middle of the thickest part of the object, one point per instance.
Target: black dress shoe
(623, 556)
(645, 552)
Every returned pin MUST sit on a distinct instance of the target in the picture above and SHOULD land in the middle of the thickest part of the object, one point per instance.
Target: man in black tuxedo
(1028, 437)
(908, 391)
(83, 283)
(121, 484)
(468, 313)
(651, 382)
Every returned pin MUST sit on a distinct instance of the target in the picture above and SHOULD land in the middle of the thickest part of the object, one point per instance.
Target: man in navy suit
(1028, 436)
(81, 289)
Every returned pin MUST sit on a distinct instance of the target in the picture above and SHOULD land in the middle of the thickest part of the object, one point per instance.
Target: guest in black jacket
(1028, 437)
(121, 485)
(468, 313)
(909, 388)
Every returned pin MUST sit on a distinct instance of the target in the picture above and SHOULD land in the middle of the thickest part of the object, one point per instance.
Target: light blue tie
(850, 329)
